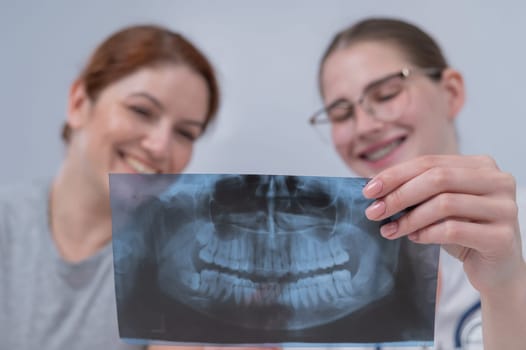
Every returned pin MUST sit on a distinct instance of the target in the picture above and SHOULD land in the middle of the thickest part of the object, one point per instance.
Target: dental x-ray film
(264, 259)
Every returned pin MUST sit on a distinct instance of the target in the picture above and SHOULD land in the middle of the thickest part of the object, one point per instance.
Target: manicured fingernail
(372, 188)
(375, 210)
(389, 229)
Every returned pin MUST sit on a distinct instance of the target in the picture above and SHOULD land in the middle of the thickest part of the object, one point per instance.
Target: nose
(365, 122)
(157, 142)
(361, 125)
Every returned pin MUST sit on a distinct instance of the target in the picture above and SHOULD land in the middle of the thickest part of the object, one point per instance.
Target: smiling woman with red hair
(143, 99)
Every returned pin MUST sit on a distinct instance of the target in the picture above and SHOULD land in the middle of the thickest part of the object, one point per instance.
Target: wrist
(512, 291)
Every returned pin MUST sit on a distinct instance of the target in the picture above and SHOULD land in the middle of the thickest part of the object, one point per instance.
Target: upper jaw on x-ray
(272, 252)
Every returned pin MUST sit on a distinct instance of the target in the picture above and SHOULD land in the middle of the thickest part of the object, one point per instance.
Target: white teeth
(234, 254)
(284, 259)
(238, 290)
(284, 297)
(304, 293)
(222, 255)
(225, 285)
(256, 256)
(310, 257)
(204, 254)
(191, 280)
(339, 255)
(248, 290)
(270, 293)
(295, 257)
(342, 281)
(382, 152)
(204, 235)
(208, 252)
(249, 293)
(267, 260)
(245, 253)
(323, 255)
(208, 282)
(138, 166)
(326, 288)
(295, 297)
(310, 285)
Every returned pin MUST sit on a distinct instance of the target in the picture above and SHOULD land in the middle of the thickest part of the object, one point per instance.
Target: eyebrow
(367, 87)
(380, 80)
(149, 97)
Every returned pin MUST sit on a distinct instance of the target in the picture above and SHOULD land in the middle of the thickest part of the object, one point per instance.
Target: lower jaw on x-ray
(270, 252)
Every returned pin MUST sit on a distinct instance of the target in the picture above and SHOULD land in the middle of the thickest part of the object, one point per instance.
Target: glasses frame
(404, 73)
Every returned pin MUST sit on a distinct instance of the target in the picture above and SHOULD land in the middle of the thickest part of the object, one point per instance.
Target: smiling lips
(138, 165)
(376, 153)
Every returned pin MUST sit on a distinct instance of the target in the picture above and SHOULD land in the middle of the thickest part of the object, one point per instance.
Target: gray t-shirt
(46, 302)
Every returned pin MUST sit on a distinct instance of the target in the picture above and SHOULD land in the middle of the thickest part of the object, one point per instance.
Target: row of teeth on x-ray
(253, 253)
(304, 293)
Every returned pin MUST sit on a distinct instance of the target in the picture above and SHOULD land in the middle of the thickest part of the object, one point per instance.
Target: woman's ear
(453, 82)
(78, 105)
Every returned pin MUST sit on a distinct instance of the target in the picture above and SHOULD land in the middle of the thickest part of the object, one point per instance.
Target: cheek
(426, 122)
(344, 152)
(120, 126)
(103, 127)
(181, 156)
(342, 141)
(424, 118)
(425, 108)
(341, 135)
(413, 114)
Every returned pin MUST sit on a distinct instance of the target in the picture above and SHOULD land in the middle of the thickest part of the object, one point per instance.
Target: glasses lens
(334, 114)
(386, 101)
(322, 126)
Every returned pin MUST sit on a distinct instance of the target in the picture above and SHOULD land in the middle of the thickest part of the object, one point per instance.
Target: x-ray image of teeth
(250, 259)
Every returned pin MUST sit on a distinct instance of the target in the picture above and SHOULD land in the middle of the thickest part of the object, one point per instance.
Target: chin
(397, 156)
(362, 168)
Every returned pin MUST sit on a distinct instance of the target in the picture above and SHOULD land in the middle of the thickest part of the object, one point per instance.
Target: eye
(385, 96)
(386, 91)
(142, 112)
(187, 135)
(340, 111)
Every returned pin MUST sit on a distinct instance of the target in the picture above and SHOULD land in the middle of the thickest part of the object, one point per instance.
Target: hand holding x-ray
(462, 202)
(467, 204)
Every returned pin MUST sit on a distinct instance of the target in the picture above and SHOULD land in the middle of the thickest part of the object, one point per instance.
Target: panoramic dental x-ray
(252, 259)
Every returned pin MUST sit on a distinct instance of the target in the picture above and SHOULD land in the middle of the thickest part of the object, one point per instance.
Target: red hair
(138, 46)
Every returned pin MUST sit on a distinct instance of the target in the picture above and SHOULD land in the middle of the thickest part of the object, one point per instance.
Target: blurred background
(266, 54)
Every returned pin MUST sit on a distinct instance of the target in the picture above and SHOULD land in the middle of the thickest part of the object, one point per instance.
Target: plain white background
(266, 54)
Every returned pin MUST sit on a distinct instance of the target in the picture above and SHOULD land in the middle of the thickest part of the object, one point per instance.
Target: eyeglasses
(384, 99)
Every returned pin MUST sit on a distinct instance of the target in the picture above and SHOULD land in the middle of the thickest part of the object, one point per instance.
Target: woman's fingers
(438, 180)
(465, 207)
(489, 252)
(489, 240)
(390, 179)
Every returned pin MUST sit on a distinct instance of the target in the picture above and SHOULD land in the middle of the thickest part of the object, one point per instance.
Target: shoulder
(22, 203)
(20, 193)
